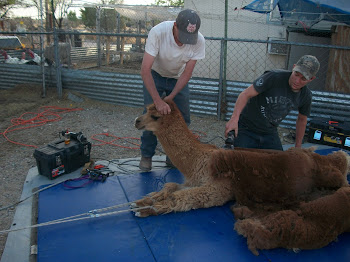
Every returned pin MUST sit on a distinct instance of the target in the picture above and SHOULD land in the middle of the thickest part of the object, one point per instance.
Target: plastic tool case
(58, 158)
(330, 132)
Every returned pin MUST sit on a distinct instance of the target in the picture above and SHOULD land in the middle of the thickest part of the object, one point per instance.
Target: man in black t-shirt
(261, 107)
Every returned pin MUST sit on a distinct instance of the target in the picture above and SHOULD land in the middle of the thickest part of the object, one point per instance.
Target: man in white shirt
(171, 52)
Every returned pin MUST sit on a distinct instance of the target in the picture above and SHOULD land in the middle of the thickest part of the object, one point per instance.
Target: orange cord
(115, 138)
(52, 114)
(46, 114)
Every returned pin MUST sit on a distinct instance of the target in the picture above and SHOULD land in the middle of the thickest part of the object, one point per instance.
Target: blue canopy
(305, 12)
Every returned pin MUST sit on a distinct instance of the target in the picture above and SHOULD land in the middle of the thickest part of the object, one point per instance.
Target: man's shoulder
(278, 73)
(270, 77)
(306, 91)
(163, 26)
(201, 37)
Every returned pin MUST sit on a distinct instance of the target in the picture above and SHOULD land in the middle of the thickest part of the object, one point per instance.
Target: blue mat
(198, 235)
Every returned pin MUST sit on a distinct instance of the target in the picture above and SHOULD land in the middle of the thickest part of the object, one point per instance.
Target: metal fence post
(222, 90)
(42, 48)
(98, 30)
(57, 58)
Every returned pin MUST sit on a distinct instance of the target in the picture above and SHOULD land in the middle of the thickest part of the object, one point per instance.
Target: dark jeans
(164, 85)
(249, 139)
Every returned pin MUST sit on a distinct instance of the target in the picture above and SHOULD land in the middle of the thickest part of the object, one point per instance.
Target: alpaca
(200, 189)
(312, 225)
(282, 179)
(215, 176)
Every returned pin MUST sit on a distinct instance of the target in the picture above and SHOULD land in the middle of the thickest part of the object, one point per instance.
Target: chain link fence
(240, 45)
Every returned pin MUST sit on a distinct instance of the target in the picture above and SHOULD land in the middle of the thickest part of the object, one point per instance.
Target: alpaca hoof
(146, 212)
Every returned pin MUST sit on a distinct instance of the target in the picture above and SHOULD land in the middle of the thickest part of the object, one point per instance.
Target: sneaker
(168, 162)
(145, 163)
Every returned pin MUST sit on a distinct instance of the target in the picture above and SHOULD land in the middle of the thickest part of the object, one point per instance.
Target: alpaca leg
(275, 230)
(241, 212)
(209, 195)
(314, 225)
(157, 196)
(153, 197)
(168, 189)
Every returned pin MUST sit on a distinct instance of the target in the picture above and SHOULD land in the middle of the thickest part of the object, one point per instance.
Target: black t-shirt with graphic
(264, 112)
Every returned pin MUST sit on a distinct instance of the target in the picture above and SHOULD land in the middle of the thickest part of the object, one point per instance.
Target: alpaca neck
(179, 144)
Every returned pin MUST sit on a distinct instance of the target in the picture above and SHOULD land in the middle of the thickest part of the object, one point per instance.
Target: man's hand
(162, 107)
(231, 125)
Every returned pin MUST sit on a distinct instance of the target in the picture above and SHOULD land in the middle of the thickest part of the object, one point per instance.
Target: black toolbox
(58, 158)
(329, 132)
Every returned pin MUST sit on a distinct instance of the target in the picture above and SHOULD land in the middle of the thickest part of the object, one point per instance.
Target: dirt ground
(23, 106)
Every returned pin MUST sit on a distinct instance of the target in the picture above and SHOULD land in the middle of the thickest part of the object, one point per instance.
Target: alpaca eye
(155, 117)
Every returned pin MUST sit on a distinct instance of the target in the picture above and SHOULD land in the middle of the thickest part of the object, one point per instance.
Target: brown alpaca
(200, 189)
(282, 179)
(264, 181)
(313, 225)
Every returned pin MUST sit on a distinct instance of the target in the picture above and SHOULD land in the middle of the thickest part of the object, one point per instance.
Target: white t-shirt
(170, 59)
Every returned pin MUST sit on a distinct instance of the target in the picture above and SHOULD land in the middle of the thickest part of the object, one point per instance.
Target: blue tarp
(305, 12)
(204, 235)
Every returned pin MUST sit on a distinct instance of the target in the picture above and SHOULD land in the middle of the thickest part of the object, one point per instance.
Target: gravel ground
(93, 119)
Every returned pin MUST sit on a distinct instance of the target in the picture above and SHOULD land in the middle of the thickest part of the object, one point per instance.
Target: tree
(88, 16)
(57, 7)
(7, 5)
(72, 16)
(107, 19)
(170, 2)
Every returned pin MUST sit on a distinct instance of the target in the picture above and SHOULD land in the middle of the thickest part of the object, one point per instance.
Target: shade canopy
(305, 13)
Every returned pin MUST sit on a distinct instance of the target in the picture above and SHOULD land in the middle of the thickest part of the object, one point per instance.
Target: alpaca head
(152, 120)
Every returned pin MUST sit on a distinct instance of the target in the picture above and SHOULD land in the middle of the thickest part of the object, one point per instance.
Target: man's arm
(183, 79)
(300, 129)
(147, 78)
(241, 102)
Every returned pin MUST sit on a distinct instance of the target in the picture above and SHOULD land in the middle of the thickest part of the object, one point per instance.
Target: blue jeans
(249, 139)
(164, 85)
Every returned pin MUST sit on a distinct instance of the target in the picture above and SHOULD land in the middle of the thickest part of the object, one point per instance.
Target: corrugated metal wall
(126, 89)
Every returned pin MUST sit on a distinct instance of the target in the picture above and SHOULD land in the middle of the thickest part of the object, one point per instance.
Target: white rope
(36, 192)
(91, 214)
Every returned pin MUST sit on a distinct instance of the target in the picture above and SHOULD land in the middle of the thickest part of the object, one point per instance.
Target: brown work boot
(145, 163)
(168, 162)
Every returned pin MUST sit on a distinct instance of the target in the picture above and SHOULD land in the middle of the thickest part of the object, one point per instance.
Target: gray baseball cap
(307, 65)
(188, 23)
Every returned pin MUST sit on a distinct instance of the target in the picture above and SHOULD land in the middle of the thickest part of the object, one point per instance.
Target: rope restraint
(96, 213)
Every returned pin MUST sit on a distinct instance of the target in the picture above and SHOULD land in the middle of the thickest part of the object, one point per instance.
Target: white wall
(245, 61)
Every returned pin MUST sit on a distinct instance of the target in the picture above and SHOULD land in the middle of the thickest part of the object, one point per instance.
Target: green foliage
(88, 17)
(108, 19)
(6, 5)
(170, 2)
(72, 16)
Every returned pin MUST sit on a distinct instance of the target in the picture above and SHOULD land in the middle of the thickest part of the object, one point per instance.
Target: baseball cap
(188, 23)
(308, 66)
